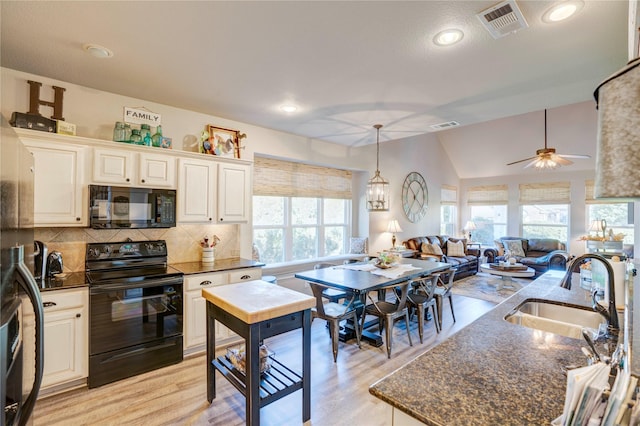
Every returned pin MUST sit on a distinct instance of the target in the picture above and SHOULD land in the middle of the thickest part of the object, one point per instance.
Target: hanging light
(377, 187)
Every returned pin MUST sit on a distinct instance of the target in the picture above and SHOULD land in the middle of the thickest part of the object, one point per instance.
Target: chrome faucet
(611, 315)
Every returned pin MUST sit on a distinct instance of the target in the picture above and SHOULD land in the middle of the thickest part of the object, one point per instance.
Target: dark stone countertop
(217, 266)
(64, 281)
(492, 371)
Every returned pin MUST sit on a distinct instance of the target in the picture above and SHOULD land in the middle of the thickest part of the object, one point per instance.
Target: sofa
(465, 260)
(540, 254)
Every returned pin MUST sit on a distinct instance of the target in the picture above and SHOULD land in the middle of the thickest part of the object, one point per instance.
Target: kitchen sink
(555, 318)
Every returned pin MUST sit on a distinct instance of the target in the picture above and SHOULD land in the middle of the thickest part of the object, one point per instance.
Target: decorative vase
(208, 255)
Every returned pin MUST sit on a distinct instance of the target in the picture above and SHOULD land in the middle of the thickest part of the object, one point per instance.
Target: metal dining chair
(332, 294)
(420, 298)
(388, 312)
(333, 313)
(445, 284)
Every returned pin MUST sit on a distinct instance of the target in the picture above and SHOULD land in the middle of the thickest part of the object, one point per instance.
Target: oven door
(124, 315)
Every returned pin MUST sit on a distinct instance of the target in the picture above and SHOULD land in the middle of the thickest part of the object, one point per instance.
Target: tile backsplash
(183, 241)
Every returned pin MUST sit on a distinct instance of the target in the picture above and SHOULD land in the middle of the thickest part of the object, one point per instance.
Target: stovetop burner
(129, 261)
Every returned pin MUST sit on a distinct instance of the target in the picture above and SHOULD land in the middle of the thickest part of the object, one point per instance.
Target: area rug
(484, 286)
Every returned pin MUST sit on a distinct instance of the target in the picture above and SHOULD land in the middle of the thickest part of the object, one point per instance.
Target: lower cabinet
(66, 348)
(195, 323)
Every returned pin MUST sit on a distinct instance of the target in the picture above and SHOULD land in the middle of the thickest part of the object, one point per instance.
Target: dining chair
(332, 294)
(388, 312)
(333, 313)
(445, 284)
(421, 298)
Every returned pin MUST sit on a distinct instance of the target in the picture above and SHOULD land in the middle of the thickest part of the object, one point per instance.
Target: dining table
(363, 277)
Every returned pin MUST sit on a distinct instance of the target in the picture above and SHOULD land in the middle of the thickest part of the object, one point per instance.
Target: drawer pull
(245, 277)
(49, 304)
(78, 315)
(207, 282)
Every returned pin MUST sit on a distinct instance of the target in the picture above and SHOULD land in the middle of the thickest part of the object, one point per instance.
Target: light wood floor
(176, 395)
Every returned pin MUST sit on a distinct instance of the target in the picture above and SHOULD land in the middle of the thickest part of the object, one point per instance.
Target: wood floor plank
(176, 395)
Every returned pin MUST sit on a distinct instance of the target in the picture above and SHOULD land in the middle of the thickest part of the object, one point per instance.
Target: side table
(257, 310)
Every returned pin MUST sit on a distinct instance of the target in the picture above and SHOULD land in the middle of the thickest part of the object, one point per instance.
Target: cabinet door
(62, 354)
(195, 332)
(111, 166)
(157, 171)
(196, 191)
(58, 184)
(234, 192)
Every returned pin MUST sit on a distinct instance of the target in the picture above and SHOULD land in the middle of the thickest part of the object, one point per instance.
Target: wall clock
(415, 197)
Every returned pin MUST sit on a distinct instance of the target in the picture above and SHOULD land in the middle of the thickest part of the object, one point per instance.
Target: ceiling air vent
(446, 125)
(503, 19)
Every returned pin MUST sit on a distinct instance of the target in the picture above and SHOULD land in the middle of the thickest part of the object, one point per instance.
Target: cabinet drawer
(197, 281)
(59, 299)
(247, 274)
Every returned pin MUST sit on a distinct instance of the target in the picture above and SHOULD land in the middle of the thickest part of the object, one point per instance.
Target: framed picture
(222, 142)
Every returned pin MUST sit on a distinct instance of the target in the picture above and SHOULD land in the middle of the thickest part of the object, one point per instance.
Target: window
(619, 216)
(545, 210)
(300, 211)
(448, 210)
(488, 212)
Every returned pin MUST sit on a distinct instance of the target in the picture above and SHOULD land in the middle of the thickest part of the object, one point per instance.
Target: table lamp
(393, 227)
(470, 226)
(597, 226)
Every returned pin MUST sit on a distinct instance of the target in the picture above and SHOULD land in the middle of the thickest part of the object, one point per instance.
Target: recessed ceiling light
(288, 108)
(562, 11)
(448, 37)
(97, 51)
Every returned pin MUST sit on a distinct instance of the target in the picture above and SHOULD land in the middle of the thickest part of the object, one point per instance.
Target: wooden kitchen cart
(257, 310)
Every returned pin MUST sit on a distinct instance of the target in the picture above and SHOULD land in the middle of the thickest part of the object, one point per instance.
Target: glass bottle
(145, 134)
(127, 132)
(156, 140)
(135, 137)
(118, 132)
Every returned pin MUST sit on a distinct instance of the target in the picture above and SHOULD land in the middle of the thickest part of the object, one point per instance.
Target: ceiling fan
(546, 158)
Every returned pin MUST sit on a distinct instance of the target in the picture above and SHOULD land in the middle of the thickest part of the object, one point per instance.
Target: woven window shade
(589, 196)
(489, 195)
(545, 193)
(289, 179)
(448, 195)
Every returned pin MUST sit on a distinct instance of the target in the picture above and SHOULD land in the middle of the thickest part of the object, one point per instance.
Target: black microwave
(127, 207)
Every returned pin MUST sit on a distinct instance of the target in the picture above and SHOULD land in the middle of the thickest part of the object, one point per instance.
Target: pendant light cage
(377, 187)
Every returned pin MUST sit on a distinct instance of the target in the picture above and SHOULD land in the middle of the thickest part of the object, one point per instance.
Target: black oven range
(136, 309)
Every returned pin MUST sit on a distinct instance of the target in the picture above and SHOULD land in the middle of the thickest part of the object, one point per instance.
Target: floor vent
(446, 125)
(503, 19)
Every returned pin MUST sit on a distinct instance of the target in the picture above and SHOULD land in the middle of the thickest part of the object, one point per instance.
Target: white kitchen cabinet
(234, 192)
(59, 184)
(128, 168)
(195, 330)
(196, 191)
(66, 346)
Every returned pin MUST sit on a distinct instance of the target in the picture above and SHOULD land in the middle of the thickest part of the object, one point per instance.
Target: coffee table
(507, 275)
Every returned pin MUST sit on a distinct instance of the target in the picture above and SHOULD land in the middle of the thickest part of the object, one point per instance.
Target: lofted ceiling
(346, 65)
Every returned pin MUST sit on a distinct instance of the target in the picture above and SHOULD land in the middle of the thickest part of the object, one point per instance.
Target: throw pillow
(431, 249)
(455, 249)
(514, 247)
(358, 245)
(499, 246)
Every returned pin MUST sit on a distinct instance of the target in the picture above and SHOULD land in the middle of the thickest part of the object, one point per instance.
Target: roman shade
(448, 195)
(545, 193)
(489, 195)
(289, 179)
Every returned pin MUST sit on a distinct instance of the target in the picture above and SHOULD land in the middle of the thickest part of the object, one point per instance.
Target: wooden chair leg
(334, 330)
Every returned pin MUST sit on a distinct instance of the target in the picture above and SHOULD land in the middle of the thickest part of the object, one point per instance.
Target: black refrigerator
(21, 318)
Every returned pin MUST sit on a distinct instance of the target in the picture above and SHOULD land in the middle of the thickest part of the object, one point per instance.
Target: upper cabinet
(59, 185)
(126, 168)
(196, 191)
(234, 192)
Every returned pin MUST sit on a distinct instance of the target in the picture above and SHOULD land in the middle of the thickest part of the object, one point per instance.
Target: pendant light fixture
(377, 187)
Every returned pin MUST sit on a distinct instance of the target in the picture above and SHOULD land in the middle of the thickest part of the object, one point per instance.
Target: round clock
(414, 197)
